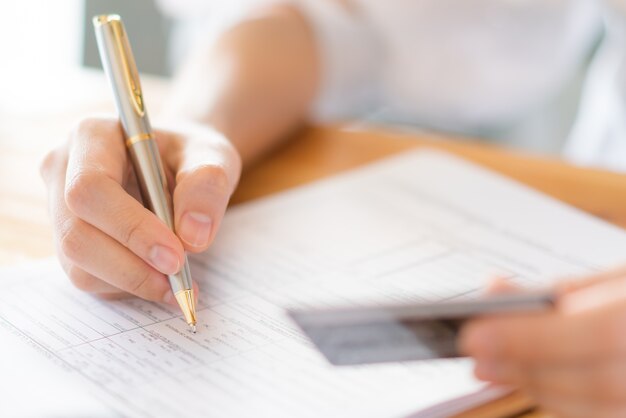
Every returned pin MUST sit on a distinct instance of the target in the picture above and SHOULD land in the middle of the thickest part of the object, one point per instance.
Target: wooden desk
(25, 232)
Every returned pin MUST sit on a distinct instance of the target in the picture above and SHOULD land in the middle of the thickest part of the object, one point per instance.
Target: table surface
(25, 232)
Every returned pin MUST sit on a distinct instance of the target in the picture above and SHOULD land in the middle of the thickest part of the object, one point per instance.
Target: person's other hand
(572, 361)
(107, 242)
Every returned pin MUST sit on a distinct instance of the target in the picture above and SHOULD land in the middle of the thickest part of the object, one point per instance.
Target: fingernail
(169, 298)
(195, 229)
(164, 259)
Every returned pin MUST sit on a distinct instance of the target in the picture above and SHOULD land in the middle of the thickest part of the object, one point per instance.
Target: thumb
(206, 178)
(501, 285)
(572, 285)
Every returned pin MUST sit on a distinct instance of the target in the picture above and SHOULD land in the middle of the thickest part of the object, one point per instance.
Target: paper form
(421, 226)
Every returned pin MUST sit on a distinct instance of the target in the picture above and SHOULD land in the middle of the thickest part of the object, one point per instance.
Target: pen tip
(193, 328)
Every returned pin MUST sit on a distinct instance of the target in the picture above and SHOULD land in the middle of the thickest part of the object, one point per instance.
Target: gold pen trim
(185, 299)
(130, 68)
(104, 19)
(127, 61)
(138, 138)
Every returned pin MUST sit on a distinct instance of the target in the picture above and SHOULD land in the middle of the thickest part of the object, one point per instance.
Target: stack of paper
(421, 226)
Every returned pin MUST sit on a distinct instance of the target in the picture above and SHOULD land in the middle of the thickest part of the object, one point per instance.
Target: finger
(100, 256)
(86, 281)
(565, 407)
(602, 294)
(552, 338)
(572, 285)
(561, 391)
(96, 258)
(207, 174)
(94, 193)
(53, 165)
(597, 382)
(52, 170)
(118, 295)
(502, 285)
(587, 325)
(596, 389)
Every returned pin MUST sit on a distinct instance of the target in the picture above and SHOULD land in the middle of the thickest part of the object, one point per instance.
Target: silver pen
(119, 65)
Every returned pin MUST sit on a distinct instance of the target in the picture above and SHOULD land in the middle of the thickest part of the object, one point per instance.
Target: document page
(422, 226)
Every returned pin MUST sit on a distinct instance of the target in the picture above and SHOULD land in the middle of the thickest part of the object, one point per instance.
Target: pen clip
(128, 67)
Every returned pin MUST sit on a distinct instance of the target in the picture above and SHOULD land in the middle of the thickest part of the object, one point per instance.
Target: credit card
(395, 333)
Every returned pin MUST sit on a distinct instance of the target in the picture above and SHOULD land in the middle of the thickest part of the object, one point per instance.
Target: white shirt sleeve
(599, 135)
(350, 55)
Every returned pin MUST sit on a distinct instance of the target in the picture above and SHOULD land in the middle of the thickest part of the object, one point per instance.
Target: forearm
(255, 84)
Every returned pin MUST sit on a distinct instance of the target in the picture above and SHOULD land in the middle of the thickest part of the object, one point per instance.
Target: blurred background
(50, 62)
(45, 44)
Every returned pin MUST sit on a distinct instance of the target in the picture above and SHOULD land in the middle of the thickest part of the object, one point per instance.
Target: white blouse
(458, 64)
(472, 66)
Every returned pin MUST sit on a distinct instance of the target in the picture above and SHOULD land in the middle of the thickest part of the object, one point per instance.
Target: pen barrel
(156, 196)
(121, 70)
(152, 180)
(119, 65)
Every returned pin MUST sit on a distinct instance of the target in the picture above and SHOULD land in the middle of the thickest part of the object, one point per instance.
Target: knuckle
(80, 279)
(209, 178)
(130, 230)
(70, 241)
(142, 284)
(86, 125)
(216, 178)
(77, 189)
(92, 124)
(48, 162)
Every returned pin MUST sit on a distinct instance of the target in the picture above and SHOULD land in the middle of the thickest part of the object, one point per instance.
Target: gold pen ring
(138, 138)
